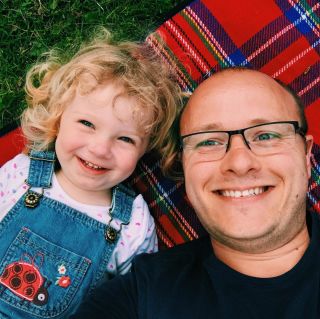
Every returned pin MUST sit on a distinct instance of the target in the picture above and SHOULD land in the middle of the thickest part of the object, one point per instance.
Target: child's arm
(136, 238)
(12, 186)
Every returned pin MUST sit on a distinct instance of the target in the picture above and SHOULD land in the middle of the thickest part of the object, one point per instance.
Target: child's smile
(92, 167)
(98, 144)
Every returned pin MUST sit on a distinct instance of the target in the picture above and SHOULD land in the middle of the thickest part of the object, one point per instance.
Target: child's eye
(127, 140)
(86, 123)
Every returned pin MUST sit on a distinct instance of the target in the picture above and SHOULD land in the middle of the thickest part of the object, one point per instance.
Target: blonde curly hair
(51, 85)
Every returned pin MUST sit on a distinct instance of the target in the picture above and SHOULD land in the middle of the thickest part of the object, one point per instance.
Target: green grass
(29, 28)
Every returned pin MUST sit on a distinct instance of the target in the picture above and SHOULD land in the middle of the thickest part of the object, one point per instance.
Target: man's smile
(243, 193)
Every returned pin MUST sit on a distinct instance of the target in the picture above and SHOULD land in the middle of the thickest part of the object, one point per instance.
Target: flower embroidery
(63, 281)
(62, 269)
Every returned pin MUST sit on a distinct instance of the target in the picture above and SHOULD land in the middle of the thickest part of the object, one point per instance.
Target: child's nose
(101, 147)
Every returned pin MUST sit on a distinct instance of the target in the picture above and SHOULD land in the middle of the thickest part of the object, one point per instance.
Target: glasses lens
(270, 138)
(207, 145)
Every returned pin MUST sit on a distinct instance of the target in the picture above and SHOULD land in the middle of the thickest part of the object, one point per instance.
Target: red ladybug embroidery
(25, 280)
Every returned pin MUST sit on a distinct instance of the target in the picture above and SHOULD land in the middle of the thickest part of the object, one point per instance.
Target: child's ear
(309, 144)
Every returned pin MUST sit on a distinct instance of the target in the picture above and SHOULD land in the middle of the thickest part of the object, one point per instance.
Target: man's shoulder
(193, 252)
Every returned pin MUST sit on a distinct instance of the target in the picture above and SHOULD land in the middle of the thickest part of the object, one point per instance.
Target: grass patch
(29, 28)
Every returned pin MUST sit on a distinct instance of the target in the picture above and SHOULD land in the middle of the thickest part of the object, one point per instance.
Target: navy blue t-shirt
(188, 281)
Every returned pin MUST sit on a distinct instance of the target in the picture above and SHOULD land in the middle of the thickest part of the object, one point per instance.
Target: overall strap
(122, 200)
(121, 208)
(41, 168)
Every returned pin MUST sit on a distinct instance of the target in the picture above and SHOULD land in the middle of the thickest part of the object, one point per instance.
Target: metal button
(111, 234)
(32, 199)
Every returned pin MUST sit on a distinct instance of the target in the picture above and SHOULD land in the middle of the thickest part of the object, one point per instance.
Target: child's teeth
(92, 165)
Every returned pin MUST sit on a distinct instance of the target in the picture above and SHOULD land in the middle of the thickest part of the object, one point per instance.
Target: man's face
(271, 208)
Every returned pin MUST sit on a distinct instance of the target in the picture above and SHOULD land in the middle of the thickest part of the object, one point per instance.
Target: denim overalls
(51, 255)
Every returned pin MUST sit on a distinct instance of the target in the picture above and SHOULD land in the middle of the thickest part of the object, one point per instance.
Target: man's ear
(309, 144)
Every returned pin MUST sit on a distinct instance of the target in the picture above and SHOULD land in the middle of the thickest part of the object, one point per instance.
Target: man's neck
(265, 265)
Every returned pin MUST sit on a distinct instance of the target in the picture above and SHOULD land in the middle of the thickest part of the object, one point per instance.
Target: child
(66, 219)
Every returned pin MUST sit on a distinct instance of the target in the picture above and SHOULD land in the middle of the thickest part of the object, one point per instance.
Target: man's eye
(86, 123)
(127, 140)
(267, 136)
(207, 143)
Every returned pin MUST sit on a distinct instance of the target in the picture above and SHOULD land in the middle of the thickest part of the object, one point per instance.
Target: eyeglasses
(263, 139)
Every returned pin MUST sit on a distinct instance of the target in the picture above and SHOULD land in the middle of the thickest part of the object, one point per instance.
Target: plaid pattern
(278, 37)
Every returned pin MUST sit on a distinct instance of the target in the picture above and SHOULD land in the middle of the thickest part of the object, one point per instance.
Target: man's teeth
(91, 165)
(244, 193)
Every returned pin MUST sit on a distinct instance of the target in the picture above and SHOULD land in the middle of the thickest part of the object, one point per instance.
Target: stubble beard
(271, 239)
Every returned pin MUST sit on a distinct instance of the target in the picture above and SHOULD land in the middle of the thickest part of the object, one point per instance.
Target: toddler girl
(67, 220)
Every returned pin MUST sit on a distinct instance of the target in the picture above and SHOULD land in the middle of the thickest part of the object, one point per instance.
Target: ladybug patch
(25, 280)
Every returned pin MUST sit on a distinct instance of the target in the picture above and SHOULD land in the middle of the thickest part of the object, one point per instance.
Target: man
(246, 162)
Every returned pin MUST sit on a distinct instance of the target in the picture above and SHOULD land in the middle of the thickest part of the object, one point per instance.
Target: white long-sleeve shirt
(137, 237)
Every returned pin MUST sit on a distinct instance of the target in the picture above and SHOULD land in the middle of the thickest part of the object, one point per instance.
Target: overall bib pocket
(39, 277)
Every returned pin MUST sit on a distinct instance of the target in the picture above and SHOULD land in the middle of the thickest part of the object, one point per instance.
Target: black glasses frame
(297, 129)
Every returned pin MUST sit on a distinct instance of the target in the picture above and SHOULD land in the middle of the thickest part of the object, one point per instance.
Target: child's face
(98, 144)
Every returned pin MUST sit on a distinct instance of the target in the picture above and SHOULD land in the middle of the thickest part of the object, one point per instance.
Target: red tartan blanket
(278, 37)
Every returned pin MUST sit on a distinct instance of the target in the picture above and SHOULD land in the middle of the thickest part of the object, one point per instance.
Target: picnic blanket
(278, 37)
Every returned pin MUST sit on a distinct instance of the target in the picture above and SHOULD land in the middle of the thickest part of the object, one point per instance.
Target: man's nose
(239, 159)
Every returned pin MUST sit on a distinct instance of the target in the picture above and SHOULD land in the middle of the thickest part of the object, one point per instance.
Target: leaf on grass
(53, 4)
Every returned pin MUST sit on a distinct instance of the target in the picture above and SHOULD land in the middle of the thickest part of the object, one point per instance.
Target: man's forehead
(244, 97)
(229, 80)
